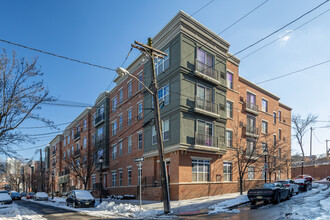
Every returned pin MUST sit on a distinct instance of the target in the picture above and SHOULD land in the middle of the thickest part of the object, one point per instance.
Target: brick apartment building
(203, 99)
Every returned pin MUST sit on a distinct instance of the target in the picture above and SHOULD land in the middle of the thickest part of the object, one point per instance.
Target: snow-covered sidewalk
(14, 211)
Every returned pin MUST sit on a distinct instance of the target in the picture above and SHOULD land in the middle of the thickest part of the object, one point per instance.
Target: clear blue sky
(101, 32)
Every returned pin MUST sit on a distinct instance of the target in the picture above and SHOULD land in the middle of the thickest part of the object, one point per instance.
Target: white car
(5, 198)
(294, 188)
(41, 196)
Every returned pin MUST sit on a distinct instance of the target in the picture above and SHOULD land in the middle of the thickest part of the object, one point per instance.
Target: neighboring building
(202, 99)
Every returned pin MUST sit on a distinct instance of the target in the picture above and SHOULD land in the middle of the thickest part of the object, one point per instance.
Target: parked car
(305, 176)
(294, 188)
(15, 195)
(23, 194)
(327, 178)
(40, 196)
(303, 184)
(270, 192)
(65, 194)
(30, 195)
(5, 198)
(80, 198)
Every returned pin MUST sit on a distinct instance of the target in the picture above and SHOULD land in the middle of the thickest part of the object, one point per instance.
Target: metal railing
(207, 70)
(76, 152)
(77, 135)
(99, 118)
(206, 105)
(54, 152)
(252, 106)
(251, 129)
(205, 140)
(65, 172)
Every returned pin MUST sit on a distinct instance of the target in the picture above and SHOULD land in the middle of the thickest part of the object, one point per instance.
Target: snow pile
(120, 209)
(13, 211)
(325, 204)
(224, 206)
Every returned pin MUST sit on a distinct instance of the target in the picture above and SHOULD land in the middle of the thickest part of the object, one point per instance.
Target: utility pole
(152, 52)
(327, 149)
(311, 140)
(41, 173)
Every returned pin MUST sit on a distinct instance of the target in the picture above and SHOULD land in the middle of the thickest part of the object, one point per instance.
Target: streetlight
(101, 163)
(52, 185)
(302, 166)
(265, 153)
(32, 168)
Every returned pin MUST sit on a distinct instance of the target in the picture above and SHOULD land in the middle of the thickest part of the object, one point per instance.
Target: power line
(297, 71)
(202, 8)
(316, 137)
(243, 17)
(56, 55)
(43, 126)
(284, 35)
(281, 28)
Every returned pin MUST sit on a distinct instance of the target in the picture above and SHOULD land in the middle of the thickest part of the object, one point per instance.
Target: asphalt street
(284, 210)
(53, 213)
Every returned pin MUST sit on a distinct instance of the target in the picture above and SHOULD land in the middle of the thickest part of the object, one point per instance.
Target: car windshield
(15, 194)
(282, 181)
(4, 197)
(41, 194)
(31, 194)
(269, 185)
(82, 194)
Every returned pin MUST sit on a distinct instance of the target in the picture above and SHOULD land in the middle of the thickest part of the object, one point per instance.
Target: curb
(237, 205)
(192, 213)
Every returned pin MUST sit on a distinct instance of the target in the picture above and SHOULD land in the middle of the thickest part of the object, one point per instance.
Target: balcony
(76, 153)
(99, 119)
(206, 107)
(252, 108)
(251, 131)
(207, 73)
(77, 136)
(251, 154)
(65, 172)
(53, 164)
(54, 152)
(205, 140)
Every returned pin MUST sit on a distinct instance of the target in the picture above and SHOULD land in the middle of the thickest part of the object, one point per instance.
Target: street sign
(138, 159)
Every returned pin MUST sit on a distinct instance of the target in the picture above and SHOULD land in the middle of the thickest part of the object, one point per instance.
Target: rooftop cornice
(285, 106)
(258, 88)
(233, 59)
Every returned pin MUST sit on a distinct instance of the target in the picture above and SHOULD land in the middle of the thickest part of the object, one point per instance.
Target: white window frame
(114, 128)
(162, 64)
(262, 107)
(229, 141)
(129, 176)
(120, 148)
(200, 168)
(114, 103)
(129, 144)
(227, 174)
(264, 130)
(120, 124)
(251, 172)
(121, 95)
(114, 152)
(229, 111)
(140, 143)
(129, 116)
(129, 89)
(114, 178)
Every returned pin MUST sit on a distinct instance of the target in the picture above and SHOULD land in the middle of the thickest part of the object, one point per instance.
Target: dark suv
(80, 198)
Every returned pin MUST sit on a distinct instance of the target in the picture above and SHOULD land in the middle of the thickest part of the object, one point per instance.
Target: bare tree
(21, 93)
(299, 126)
(14, 174)
(245, 150)
(81, 165)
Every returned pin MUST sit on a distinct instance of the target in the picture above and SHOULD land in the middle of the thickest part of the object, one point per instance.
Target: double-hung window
(114, 151)
(114, 128)
(85, 143)
(227, 171)
(140, 77)
(250, 172)
(229, 108)
(120, 177)
(251, 124)
(274, 117)
(205, 98)
(162, 64)
(120, 96)
(250, 147)
(114, 104)
(251, 101)
(264, 127)
(164, 95)
(204, 134)
(229, 138)
(140, 135)
(129, 144)
(230, 80)
(140, 111)
(129, 176)
(120, 121)
(200, 170)
(264, 105)
(166, 130)
(129, 89)
(114, 178)
(279, 116)
(120, 148)
(129, 116)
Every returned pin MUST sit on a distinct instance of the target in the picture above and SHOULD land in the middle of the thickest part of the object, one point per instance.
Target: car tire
(66, 203)
(253, 202)
(74, 204)
(265, 202)
(288, 196)
(297, 192)
(291, 193)
(277, 199)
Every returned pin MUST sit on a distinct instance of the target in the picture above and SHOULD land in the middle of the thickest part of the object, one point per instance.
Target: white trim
(200, 158)
(264, 99)
(129, 81)
(230, 71)
(120, 168)
(252, 93)
(129, 167)
(264, 120)
(113, 171)
(229, 129)
(139, 132)
(139, 102)
(114, 121)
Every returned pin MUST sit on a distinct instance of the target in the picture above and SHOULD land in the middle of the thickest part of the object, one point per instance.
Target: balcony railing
(251, 153)
(53, 164)
(252, 107)
(76, 152)
(99, 119)
(207, 71)
(65, 172)
(206, 105)
(205, 140)
(54, 152)
(251, 131)
(77, 136)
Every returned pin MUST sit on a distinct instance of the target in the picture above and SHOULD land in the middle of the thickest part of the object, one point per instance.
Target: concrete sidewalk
(182, 207)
